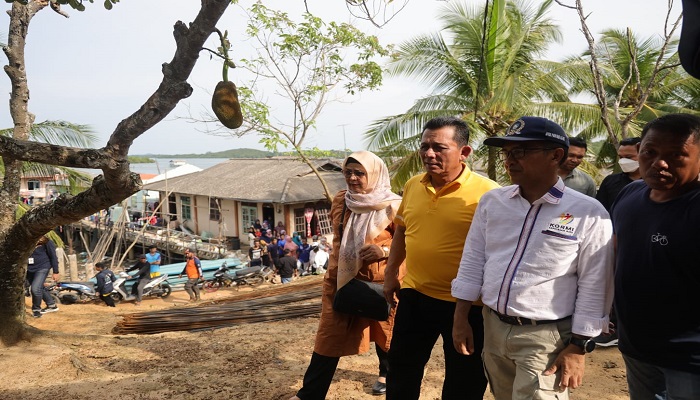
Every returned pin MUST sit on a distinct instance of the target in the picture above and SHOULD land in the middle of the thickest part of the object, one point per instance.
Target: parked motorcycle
(224, 277)
(158, 287)
(73, 292)
(53, 291)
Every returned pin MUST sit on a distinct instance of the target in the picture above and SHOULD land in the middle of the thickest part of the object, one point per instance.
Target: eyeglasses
(349, 173)
(520, 152)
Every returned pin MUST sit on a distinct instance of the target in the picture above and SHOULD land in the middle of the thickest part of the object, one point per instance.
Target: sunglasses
(348, 173)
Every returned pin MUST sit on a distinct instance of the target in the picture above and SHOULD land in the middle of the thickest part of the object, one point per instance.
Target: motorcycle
(252, 276)
(158, 287)
(73, 292)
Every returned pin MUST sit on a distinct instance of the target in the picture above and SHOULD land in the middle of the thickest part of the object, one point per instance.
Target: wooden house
(223, 201)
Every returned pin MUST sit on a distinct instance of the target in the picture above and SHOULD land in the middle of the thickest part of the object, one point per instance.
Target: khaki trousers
(515, 357)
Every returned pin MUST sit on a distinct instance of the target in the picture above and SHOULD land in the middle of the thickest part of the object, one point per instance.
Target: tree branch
(51, 154)
(118, 181)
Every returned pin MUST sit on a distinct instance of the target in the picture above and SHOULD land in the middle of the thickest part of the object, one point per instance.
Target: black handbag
(361, 298)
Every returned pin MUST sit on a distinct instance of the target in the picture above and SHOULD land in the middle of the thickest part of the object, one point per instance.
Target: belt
(508, 319)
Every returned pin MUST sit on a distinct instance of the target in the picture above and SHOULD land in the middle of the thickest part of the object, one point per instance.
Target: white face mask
(627, 165)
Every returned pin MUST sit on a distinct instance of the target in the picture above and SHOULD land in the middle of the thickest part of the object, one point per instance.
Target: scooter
(54, 292)
(158, 287)
(252, 276)
(74, 292)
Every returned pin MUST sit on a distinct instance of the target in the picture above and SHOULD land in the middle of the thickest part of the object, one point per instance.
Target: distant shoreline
(243, 153)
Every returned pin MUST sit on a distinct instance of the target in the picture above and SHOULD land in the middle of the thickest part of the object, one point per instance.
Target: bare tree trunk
(599, 86)
(17, 238)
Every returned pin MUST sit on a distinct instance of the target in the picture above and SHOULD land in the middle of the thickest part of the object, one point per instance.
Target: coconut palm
(487, 78)
(629, 68)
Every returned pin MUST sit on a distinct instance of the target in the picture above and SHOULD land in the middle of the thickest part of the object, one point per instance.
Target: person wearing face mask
(613, 183)
(607, 193)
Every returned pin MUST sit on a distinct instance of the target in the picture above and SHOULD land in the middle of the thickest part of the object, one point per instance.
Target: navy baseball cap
(529, 129)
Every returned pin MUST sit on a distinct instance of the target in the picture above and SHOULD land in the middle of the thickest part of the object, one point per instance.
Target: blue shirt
(152, 258)
(43, 257)
(304, 252)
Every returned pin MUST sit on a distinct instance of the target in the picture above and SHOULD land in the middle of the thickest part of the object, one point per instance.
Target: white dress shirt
(543, 261)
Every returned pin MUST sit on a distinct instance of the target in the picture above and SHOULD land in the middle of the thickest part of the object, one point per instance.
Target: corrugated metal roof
(269, 180)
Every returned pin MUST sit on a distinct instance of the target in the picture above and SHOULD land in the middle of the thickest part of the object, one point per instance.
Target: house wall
(199, 221)
(202, 225)
(234, 225)
(38, 194)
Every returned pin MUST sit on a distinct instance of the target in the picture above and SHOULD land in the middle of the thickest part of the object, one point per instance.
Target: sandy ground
(77, 357)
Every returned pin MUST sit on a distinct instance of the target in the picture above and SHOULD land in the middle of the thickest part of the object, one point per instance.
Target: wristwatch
(587, 345)
(386, 251)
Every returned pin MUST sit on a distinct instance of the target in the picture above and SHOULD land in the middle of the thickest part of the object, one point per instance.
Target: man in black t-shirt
(657, 276)
(606, 195)
(614, 183)
(287, 266)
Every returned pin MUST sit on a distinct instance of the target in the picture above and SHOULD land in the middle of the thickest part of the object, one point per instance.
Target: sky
(98, 67)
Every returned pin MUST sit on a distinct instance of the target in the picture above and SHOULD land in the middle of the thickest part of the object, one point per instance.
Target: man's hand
(397, 255)
(462, 334)
(371, 253)
(391, 288)
(571, 362)
(55, 277)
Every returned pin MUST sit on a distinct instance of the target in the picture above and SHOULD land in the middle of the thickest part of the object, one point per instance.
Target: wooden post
(61, 256)
(73, 267)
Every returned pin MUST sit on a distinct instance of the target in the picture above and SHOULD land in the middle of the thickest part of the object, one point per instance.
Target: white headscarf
(371, 213)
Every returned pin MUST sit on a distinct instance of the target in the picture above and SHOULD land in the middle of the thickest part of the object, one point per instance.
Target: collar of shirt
(553, 195)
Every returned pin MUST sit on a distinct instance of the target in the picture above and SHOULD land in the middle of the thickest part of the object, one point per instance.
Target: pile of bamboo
(282, 302)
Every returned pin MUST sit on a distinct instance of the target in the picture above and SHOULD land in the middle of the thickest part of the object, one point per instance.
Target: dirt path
(78, 358)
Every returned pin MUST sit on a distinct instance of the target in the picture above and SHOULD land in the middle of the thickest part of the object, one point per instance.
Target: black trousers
(419, 321)
(108, 300)
(319, 374)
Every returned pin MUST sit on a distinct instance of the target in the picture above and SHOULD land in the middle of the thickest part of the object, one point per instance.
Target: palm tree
(58, 132)
(487, 70)
(630, 68)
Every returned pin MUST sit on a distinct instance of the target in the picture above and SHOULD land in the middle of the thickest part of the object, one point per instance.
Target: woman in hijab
(289, 244)
(366, 209)
(296, 238)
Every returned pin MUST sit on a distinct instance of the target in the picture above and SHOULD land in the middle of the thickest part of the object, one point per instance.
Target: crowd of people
(289, 256)
(520, 280)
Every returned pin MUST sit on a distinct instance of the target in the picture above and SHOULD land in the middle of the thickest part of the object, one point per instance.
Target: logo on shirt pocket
(563, 226)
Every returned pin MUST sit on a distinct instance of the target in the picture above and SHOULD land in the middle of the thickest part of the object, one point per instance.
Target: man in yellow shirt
(431, 227)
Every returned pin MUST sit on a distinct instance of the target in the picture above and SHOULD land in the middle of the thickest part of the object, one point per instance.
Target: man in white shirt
(540, 256)
(321, 259)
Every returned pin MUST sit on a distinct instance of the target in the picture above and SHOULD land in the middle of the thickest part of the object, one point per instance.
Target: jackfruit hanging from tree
(225, 102)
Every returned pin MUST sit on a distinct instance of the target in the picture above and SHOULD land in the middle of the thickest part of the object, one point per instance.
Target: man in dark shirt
(657, 274)
(613, 183)
(569, 172)
(287, 267)
(273, 253)
(609, 189)
(143, 269)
